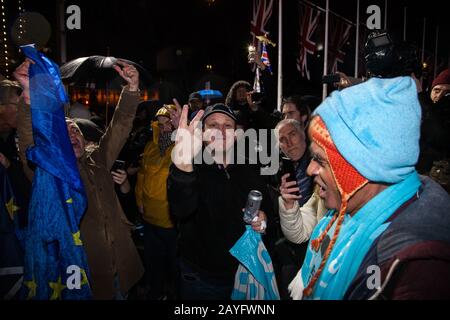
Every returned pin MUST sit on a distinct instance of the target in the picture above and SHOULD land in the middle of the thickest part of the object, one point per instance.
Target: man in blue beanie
(386, 235)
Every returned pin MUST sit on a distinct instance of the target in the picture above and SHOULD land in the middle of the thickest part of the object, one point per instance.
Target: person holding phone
(241, 98)
(120, 176)
(292, 141)
(114, 263)
(299, 207)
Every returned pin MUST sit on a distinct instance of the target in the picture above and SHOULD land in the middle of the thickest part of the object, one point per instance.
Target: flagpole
(423, 39)
(436, 52)
(385, 13)
(423, 44)
(357, 40)
(325, 59)
(323, 10)
(405, 15)
(61, 39)
(280, 55)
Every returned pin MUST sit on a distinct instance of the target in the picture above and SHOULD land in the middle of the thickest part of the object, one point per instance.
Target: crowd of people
(363, 181)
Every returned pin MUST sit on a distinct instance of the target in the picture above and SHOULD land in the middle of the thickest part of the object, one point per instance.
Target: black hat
(195, 96)
(218, 108)
(89, 129)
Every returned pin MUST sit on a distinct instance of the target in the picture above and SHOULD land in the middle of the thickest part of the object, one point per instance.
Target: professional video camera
(388, 59)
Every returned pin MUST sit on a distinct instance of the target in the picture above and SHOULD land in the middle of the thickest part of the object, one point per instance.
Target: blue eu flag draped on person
(55, 261)
(11, 252)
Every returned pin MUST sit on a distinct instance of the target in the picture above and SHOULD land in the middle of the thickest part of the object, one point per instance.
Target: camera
(257, 97)
(386, 58)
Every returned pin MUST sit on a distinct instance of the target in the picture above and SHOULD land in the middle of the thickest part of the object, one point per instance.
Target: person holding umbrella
(113, 260)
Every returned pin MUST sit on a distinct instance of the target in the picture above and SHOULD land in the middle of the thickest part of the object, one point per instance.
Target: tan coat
(105, 231)
(298, 223)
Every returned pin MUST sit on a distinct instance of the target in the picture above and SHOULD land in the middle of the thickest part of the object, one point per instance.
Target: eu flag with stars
(55, 260)
(11, 252)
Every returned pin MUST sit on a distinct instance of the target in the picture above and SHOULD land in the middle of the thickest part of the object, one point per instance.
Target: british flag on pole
(309, 20)
(339, 34)
(262, 11)
(265, 57)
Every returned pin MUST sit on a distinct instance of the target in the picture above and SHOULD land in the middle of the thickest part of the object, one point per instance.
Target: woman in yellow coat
(151, 197)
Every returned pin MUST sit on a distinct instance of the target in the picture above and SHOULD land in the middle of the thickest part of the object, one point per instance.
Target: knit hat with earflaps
(348, 181)
(376, 127)
(369, 132)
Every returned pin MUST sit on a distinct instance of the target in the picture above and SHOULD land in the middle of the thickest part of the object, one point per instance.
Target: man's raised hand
(188, 140)
(175, 115)
(129, 73)
(21, 74)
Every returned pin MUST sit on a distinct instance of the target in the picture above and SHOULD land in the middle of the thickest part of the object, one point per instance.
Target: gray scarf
(164, 142)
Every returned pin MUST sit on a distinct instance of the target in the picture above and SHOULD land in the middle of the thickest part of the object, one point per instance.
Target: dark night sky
(146, 31)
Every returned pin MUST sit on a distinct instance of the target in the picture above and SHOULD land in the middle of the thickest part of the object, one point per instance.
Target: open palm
(188, 140)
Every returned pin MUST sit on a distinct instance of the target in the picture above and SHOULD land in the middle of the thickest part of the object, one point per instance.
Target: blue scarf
(354, 241)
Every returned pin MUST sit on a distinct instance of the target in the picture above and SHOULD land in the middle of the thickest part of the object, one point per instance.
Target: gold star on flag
(84, 279)
(32, 285)
(76, 238)
(12, 208)
(70, 201)
(57, 288)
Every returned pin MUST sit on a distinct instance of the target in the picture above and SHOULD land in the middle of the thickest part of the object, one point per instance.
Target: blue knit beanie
(376, 127)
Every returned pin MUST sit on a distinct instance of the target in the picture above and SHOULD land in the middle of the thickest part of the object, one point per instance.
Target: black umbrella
(97, 72)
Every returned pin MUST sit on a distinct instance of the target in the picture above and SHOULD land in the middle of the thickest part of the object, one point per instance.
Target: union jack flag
(339, 32)
(262, 11)
(309, 20)
(265, 57)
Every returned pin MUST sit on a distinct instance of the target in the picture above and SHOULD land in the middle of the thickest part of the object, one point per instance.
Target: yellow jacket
(151, 187)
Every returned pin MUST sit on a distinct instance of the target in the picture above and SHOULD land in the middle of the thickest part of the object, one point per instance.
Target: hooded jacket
(413, 254)
(151, 186)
